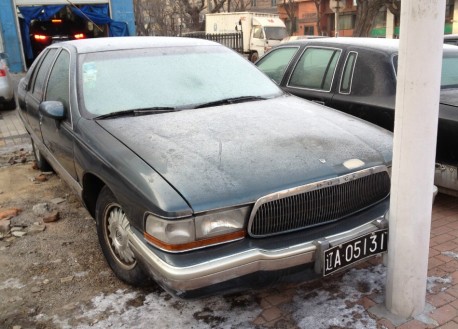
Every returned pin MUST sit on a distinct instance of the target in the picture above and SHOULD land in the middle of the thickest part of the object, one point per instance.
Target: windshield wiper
(137, 112)
(232, 100)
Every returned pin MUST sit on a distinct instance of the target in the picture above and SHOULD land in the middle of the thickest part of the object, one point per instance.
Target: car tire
(112, 225)
(42, 164)
(254, 57)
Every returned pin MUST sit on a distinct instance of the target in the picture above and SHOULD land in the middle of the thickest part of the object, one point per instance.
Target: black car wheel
(112, 227)
(42, 164)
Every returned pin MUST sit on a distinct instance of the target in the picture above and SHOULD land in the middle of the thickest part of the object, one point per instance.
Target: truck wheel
(254, 57)
(112, 226)
(42, 164)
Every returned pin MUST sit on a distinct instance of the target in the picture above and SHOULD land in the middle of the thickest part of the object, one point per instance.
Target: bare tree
(161, 17)
(394, 6)
(318, 16)
(365, 16)
(238, 5)
(290, 7)
(194, 8)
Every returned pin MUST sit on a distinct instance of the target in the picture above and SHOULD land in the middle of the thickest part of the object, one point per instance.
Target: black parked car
(358, 76)
(199, 171)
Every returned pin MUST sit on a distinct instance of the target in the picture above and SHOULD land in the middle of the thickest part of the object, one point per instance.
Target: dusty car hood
(234, 154)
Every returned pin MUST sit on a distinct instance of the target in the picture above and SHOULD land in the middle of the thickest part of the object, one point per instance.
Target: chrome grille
(318, 203)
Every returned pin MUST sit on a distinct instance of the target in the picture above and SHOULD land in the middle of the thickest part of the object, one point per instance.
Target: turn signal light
(2, 73)
(79, 36)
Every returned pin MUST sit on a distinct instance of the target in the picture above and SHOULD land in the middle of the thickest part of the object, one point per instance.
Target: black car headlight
(178, 235)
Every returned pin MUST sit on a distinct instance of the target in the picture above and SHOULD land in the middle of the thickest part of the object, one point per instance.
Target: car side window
(58, 83)
(274, 64)
(257, 33)
(42, 74)
(347, 74)
(315, 69)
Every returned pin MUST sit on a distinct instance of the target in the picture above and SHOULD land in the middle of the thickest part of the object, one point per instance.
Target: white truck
(260, 31)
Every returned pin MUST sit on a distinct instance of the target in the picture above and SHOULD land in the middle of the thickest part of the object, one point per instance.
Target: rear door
(367, 87)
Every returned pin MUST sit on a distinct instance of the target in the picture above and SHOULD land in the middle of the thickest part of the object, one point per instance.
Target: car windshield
(275, 32)
(169, 77)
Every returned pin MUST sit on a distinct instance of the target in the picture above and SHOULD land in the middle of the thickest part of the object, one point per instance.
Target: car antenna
(74, 6)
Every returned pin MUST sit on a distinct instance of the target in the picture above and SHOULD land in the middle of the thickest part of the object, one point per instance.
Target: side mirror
(52, 109)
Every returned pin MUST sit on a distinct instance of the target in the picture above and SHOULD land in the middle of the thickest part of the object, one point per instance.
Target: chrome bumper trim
(199, 275)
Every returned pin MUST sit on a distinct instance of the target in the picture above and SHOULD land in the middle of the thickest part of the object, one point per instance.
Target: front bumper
(232, 266)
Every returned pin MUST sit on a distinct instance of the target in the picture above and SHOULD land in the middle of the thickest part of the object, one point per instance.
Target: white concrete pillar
(415, 131)
(455, 18)
(390, 24)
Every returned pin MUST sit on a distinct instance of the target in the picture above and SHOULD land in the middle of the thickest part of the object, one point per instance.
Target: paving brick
(441, 238)
(433, 252)
(434, 262)
(366, 302)
(278, 299)
(449, 325)
(271, 314)
(384, 323)
(440, 299)
(450, 267)
(444, 314)
(447, 246)
(413, 324)
(453, 291)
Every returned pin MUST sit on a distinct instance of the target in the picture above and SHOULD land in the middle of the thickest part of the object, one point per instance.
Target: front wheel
(112, 228)
(254, 57)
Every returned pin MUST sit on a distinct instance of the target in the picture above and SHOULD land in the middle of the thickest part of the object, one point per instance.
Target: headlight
(197, 232)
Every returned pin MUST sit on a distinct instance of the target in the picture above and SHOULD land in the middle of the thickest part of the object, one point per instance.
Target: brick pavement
(12, 132)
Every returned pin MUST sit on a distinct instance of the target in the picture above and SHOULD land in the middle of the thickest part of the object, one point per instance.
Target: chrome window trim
(352, 73)
(310, 187)
(333, 74)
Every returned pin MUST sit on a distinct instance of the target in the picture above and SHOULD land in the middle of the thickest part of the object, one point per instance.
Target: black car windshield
(169, 77)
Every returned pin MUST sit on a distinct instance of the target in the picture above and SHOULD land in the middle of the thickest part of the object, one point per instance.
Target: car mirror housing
(53, 109)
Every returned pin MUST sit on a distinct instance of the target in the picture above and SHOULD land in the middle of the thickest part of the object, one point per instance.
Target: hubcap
(117, 227)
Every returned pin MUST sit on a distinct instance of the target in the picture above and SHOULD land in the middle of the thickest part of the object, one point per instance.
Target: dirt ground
(54, 264)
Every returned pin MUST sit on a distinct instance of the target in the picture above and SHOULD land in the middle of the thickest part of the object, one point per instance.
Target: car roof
(134, 42)
(382, 44)
(374, 43)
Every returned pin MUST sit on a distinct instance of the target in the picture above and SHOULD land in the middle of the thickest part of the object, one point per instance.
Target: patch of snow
(81, 274)
(11, 283)
(433, 280)
(451, 254)
(336, 305)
